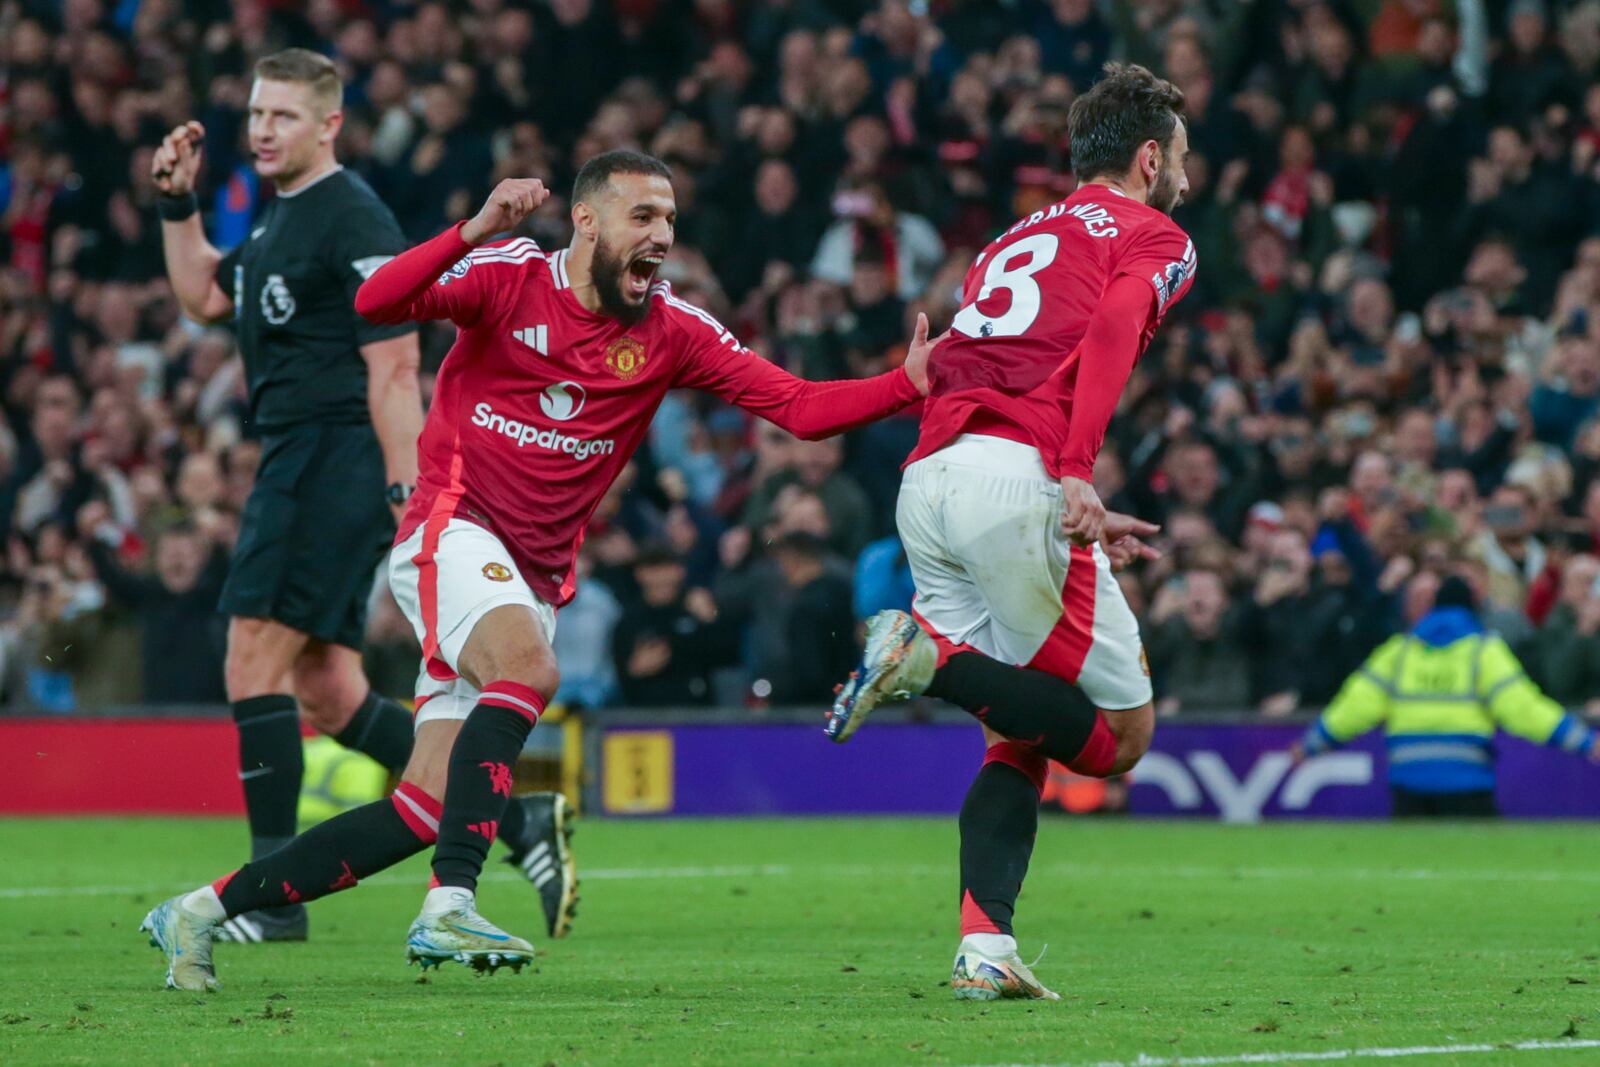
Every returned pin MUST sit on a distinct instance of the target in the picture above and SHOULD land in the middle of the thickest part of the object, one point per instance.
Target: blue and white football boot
(450, 928)
(989, 976)
(186, 939)
(898, 664)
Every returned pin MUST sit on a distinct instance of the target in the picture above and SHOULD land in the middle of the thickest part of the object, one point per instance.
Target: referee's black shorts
(312, 533)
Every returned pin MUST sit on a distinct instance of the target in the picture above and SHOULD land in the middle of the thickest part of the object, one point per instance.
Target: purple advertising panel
(1233, 772)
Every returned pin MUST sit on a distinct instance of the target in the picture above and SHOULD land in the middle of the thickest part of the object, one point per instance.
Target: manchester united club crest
(497, 572)
(625, 358)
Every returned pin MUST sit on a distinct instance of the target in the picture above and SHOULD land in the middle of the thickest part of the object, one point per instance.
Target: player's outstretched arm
(716, 362)
(415, 285)
(192, 260)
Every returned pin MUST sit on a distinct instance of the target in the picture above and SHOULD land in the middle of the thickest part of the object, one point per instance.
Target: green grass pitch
(827, 942)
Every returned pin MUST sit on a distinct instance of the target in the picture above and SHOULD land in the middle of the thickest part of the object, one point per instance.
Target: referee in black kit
(336, 404)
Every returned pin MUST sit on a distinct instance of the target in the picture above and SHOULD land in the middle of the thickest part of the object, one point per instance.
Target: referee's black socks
(382, 729)
(271, 765)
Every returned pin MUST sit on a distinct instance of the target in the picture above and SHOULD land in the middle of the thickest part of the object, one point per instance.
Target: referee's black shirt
(293, 283)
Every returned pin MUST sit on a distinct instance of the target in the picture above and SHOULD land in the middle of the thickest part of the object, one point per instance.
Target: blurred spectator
(907, 246)
(1569, 640)
(1197, 655)
(883, 579)
(583, 642)
(668, 640)
(183, 637)
(820, 628)
(813, 471)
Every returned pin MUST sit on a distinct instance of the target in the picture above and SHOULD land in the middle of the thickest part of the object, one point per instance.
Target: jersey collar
(558, 269)
(318, 180)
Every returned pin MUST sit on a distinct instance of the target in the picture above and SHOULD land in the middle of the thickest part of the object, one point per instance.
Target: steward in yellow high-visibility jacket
(1440, 692)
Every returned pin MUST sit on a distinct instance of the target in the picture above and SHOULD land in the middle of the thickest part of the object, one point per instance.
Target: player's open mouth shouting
(641, 274)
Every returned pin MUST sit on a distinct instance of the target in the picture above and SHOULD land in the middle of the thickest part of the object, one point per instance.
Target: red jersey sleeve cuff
(1075, 468)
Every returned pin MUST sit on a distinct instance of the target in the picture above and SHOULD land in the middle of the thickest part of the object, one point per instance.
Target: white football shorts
(981, 524)
(446, 576)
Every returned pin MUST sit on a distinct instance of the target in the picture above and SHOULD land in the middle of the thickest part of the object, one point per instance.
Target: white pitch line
(779, 870)
(1144, 1060)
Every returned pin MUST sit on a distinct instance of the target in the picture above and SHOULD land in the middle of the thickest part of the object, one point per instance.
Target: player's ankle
(205, 903)
(446, 898)
(995, 946)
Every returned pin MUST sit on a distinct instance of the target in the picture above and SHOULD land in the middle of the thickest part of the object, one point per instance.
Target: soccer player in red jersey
(1017, 616)
(560, 362)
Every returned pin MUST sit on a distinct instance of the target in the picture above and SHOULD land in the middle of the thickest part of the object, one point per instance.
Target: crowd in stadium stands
(1388, 370)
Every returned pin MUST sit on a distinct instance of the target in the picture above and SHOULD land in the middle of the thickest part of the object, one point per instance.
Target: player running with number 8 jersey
(999, 518)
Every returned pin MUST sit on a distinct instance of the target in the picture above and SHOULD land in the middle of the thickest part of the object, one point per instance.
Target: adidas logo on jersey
(535, 337)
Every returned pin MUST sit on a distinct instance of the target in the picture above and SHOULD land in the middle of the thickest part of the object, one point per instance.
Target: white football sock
(446, 898)
(995, 946)
(205, 903)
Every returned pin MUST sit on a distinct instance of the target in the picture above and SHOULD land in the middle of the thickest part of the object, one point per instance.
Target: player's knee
(248, 672)
(260, 658)
(537, 672)
(1133, 731)
(507, 645)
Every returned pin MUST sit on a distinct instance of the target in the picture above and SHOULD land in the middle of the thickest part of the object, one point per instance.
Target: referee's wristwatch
(398, 493)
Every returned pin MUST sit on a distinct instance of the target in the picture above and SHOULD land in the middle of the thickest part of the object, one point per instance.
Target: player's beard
(605, 270)
(1165, 192)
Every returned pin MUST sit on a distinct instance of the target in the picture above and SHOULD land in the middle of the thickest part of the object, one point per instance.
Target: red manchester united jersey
(1012, 363)
(540, 402)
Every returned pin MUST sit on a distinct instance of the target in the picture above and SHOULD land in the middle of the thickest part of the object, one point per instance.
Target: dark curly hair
(1124, 109)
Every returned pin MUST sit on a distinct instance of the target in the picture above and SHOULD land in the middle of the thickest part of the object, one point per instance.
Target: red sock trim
(973, 920)
(1099, 753)
(433, 881)
(513, 696)
(418, 811)
(1033, 766)
(946, 647)
(222, 883)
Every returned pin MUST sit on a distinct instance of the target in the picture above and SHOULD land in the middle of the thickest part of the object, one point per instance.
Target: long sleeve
(1104, 361)
(446, 278)
(1519, 706)
(715, 361)
(1361, 704)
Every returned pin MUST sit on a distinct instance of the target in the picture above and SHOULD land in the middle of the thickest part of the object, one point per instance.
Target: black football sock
(382, 729)
(334, 854)
(999, 820)
(479, 780)
(271, 764)
(1037, 710)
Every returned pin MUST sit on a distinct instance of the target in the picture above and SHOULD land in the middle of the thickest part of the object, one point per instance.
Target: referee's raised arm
(191, 259)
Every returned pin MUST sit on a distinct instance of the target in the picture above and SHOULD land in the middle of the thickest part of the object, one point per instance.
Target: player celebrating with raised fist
(1018, 617)
(336, 402)
(559, 365)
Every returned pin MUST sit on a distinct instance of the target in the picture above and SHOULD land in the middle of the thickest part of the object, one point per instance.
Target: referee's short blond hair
(301, 66)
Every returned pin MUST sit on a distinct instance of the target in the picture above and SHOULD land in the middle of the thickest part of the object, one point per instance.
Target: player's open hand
(1083, 517)
(918, 353)
(1125, 551)
(512, 201)
(177, 162)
